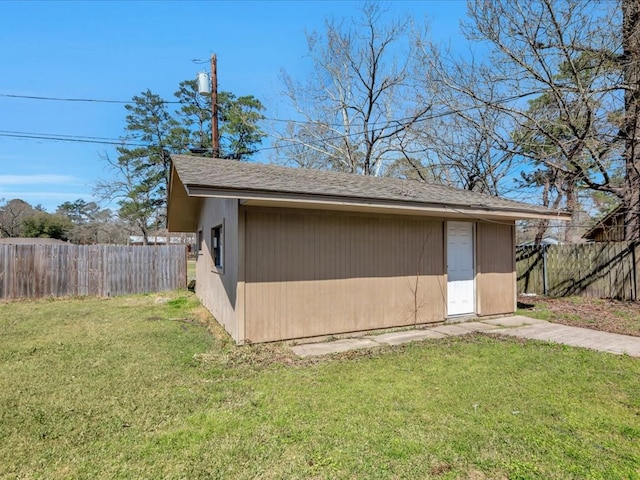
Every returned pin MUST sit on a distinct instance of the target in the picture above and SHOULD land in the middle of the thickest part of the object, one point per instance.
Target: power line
(69, 138)
(400, 120)
(111, 141)
(80, 100)
(58, 135)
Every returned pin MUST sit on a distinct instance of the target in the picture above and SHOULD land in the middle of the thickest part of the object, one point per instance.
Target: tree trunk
(571, 207)
(543, 224)
(631, 127)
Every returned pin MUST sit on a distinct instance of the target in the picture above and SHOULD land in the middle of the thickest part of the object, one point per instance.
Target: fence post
(545, 279)
(634, 270)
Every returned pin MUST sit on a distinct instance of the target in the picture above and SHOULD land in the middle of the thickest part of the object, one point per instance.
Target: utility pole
(215, 139)
(211, 88)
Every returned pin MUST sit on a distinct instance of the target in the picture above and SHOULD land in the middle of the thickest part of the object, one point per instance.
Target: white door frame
(461, 270)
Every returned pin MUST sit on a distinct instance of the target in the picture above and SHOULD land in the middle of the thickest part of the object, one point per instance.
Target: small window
(200, 245)
(217, 247)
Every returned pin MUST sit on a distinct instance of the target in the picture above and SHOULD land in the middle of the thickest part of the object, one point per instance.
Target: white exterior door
(460, 269)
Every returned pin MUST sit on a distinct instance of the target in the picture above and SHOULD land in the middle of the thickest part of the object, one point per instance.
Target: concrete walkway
(516, 326)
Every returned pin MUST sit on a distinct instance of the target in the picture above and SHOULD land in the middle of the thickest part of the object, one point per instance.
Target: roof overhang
(266, 198)
(182, 209)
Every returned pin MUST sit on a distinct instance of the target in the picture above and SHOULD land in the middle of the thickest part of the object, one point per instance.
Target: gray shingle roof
(259, 178)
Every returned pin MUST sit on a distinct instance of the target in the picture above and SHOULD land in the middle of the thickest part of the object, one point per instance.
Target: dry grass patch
(599, 314)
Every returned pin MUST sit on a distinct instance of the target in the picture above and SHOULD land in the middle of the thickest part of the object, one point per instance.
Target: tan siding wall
(218, 290)
(495, 280)
(313, 273)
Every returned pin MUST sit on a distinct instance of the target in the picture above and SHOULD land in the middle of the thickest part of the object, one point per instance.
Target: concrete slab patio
(577, 337)
(516, 325)
(335, 346)
(398, 338)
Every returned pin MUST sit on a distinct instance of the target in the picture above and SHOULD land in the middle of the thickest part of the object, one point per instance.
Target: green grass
(191, 270)
(134, 387)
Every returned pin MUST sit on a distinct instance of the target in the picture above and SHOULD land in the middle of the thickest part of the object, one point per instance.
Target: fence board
(79, 270)
(600, 270)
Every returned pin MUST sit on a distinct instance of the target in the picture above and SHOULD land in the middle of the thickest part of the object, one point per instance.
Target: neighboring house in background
(290, 253)
(32, 241)
(187, 239)
(544, 241)
(151, 240)
(609, 228)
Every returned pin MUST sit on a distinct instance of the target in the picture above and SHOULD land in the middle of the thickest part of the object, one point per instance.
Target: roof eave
(601, 224)
(297, 200)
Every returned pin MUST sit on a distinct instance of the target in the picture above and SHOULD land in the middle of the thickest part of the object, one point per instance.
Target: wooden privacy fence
(599, 270)
(102, 270)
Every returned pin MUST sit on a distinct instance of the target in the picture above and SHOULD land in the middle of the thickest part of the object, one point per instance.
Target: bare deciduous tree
(357, 109)
(567, 56)
(12, 216)
(463, 140)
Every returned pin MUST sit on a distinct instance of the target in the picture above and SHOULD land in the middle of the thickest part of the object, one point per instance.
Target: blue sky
(115, 50)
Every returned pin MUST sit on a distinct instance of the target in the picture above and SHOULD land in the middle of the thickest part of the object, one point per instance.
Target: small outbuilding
(610, 228)
(286, 253)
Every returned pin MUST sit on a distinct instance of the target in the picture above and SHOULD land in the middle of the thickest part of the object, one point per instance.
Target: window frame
(200, 243)
(217, 248)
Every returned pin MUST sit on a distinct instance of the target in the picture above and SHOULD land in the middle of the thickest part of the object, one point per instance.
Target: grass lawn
(141, 387)
(191, 270)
